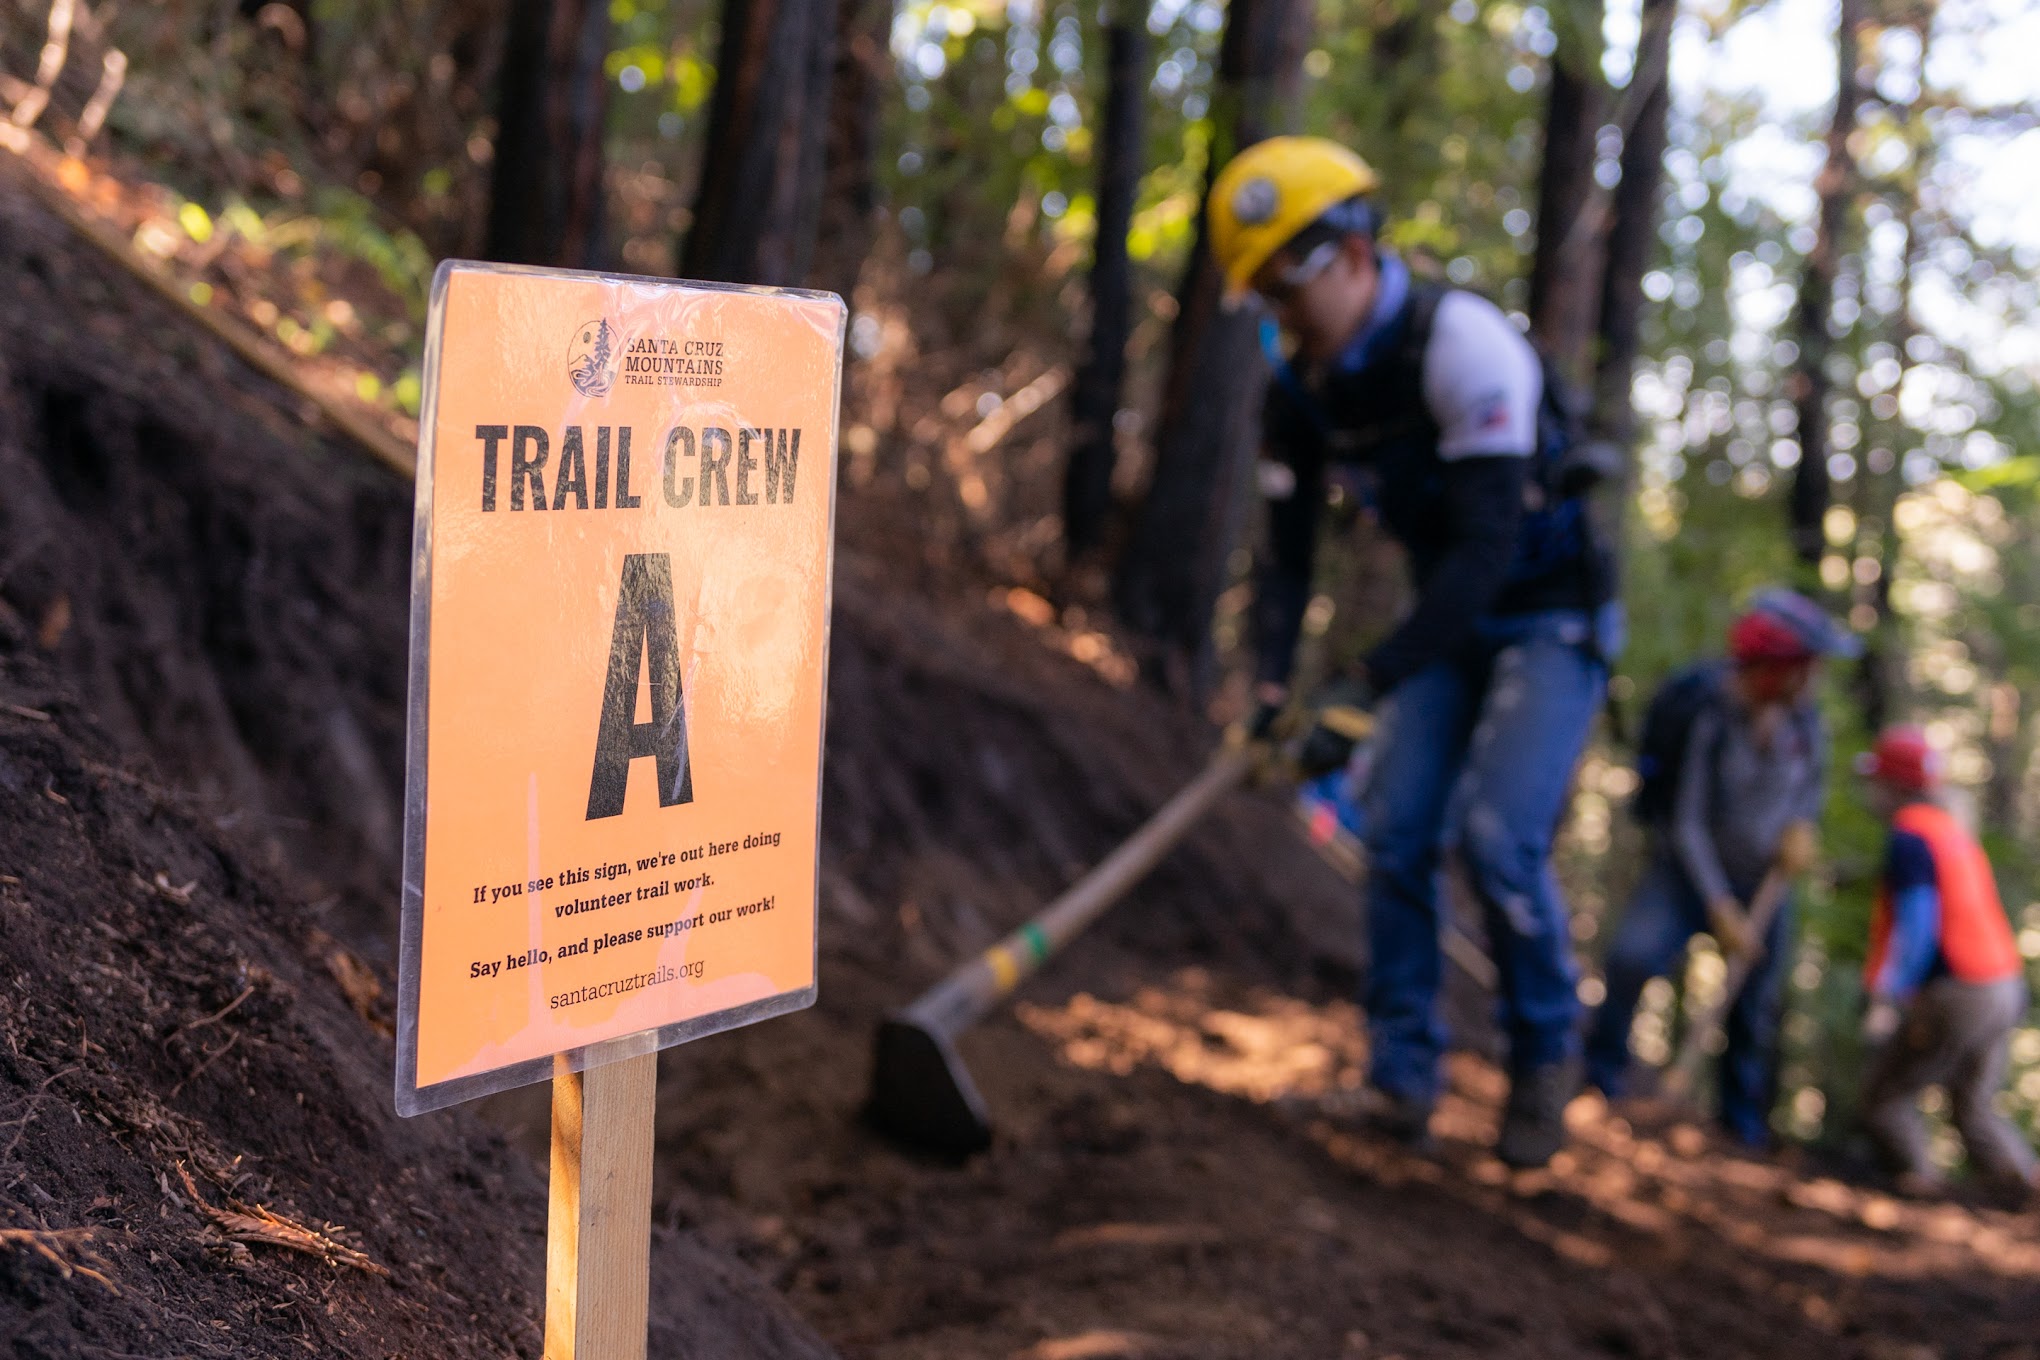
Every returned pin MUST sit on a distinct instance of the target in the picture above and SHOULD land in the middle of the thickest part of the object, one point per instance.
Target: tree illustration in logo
(591, 361)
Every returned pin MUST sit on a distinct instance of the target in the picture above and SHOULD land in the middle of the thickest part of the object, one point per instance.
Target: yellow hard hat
(1271, 191)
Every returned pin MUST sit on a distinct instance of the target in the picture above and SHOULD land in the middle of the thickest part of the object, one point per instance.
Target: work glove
(1266, 720)
(1880, 1022)
(1259, 732)
(1731, 926)
(1263, 720)
(1798, 848)
(1340, 721)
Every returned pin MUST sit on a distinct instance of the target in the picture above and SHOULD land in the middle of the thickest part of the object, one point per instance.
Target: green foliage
(349, 224)
(1443, 101)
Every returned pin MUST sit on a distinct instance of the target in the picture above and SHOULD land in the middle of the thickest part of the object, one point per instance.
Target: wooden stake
(598, 1237)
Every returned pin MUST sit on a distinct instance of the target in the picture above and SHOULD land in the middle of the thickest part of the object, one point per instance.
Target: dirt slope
(166, 1012)
(1160, 1188)
(206, 602)
(221, 586)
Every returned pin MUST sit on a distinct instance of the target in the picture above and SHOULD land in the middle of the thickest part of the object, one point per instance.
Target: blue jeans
(1477, 753)
(1664, 914)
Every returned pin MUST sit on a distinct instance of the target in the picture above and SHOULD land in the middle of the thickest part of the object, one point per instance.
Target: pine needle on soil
(61, 1247)
(254, 1224)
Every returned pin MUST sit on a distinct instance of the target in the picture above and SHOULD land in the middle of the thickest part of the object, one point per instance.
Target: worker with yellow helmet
(1486, 689)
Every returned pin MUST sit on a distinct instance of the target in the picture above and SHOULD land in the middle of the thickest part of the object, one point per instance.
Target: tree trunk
(1632, 232)
(759, 203)
(1404, 64)
(861, 68)
(1175, 565)
(546, 192)
(2010, 751)
(1881, 684)
(1810, 384)
(1087, 482)
(1565, 272)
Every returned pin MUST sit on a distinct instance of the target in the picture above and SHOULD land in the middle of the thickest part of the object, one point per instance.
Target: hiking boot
(1370, 1111)
(1533, 1122)
(1921, 1185)
(2010, 1191)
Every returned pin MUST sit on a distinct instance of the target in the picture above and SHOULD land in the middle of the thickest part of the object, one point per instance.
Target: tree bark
(1087, 481)
(546, 192)
(1565, 272)
(1404, 63)
(759, 204)
(1881, 683)
(1836, 186)
(861, 67)
(1175, 566)
(1632, 231)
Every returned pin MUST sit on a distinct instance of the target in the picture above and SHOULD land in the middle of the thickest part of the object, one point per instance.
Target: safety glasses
(1282, 285)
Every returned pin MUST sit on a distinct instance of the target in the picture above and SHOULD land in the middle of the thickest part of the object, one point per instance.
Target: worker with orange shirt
(1945, 979)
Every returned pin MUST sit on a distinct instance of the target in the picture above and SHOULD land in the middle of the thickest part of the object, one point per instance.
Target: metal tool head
(922, 1095)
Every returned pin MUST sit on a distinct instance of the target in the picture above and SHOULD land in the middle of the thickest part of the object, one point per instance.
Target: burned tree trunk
(1566, 270)
(545, 194)
(1836, 186)
(1632, 229)
(759, 203)
(1175, 565)
(1087, 481)
(861, 67)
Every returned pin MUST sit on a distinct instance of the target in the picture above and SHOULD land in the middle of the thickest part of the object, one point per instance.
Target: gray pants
(1953, 1036)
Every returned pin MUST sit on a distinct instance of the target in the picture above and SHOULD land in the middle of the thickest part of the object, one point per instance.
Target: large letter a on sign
(644, 636)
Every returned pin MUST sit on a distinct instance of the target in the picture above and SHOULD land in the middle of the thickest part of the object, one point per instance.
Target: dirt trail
(1160, 1187)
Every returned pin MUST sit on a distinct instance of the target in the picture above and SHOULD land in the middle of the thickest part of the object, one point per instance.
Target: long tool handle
(1342, 850)
(1764, 908)
(973, 988)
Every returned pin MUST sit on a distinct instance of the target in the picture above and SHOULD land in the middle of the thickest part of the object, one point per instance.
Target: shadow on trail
(1694, 1248)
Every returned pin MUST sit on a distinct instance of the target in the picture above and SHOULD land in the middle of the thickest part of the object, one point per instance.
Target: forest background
(1805, 305)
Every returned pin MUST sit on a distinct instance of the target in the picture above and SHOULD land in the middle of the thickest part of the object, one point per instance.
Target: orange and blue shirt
(1938, 913)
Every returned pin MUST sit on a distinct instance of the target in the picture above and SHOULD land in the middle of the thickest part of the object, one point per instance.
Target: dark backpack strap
(1424, 300)
(1289, 383)
(1407, 360)
(1715, 704)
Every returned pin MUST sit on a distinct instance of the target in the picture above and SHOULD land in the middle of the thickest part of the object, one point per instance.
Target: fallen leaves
(251, 1223)
(210, 1059)
(64, 1248)
(56, 621)
(161, 886)
(358, 982)
(218, 1015)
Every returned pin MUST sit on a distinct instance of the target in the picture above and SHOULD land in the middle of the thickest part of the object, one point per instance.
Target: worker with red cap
(1945, 980)
(1733, 765)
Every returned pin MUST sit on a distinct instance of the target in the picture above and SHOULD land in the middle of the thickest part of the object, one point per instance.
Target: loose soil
(1162, 1184)
(198, 1156)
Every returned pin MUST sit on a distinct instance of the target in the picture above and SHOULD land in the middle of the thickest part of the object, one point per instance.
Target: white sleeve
(1482, 380)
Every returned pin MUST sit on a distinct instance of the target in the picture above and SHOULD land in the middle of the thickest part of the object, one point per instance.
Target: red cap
(1903, 759)
(1761, 636)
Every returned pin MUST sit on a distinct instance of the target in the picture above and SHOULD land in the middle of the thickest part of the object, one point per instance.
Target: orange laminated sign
(619, 646)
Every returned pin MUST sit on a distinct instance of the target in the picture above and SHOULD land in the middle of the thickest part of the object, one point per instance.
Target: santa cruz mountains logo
(591, 358)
